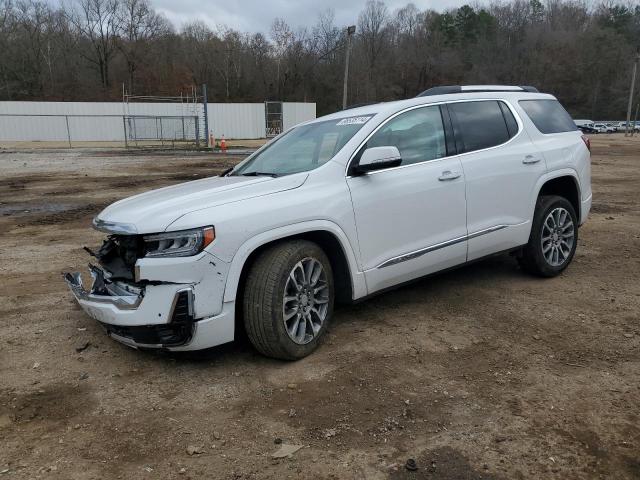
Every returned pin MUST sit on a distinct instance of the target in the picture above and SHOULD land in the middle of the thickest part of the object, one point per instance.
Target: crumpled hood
(155, 210)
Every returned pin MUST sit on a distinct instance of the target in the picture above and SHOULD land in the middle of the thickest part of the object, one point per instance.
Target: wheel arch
(349, 281)
(565, 184)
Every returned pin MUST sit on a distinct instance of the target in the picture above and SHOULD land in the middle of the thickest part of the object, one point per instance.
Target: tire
(539, 259)
(279, 269)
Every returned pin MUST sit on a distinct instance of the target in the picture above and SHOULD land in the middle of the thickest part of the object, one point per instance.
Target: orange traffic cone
(223, 144)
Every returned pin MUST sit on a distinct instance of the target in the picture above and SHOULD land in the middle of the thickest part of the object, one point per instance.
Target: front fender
(247, 248)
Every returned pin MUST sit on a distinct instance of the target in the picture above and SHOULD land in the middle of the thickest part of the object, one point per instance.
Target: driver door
(411, 219)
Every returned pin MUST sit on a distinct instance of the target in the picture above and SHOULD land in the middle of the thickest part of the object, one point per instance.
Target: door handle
(530, 160)
(449, 175)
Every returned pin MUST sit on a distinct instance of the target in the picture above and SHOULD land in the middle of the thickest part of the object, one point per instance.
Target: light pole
(350, 31)
(633, 85)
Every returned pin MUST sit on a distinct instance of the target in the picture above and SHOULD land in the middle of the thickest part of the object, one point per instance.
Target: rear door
(501, 167)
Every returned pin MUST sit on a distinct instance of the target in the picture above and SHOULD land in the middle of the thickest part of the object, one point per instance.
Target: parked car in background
(580, 123)
(603, 128)
(338, 209)
(588, 129)
(622, 126)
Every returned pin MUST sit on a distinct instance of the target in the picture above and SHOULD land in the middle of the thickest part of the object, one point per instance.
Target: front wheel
(553, 239)
(288, 299)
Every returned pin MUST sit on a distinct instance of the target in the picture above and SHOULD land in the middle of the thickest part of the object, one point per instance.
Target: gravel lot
(482, 372)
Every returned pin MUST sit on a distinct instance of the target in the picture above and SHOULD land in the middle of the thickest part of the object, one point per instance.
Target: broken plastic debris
(286, 450)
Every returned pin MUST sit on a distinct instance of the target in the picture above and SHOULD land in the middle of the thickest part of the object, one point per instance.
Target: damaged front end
(139, 313)
(118, 255)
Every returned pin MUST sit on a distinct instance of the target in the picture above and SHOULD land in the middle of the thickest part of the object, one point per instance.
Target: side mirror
(376, 158)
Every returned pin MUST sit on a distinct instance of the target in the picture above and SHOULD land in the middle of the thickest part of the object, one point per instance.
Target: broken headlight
(183, 243)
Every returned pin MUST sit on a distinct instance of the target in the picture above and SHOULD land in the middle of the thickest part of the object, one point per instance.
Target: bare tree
(139, 25)
(230, 46)
(99, 23)
(7, 22)
(372, 23)
(282, 37)
(198, 52)
(574, 49)
(326, 36)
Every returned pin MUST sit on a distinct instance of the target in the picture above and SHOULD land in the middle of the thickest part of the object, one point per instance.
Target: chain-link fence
(101, 130)
(148, 130)
(142, 124)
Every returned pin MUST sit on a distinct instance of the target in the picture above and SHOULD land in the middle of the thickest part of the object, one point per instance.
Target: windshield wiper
(259, 174)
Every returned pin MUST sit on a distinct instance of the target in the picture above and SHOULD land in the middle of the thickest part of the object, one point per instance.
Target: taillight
(587, 142)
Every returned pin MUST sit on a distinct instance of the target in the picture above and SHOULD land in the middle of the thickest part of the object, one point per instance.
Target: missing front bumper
(164, 319)
(121, 296)
(178, 332)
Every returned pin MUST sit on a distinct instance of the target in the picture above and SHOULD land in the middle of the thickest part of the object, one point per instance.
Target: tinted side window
(418, 134)
(478, 125)
(548, 116)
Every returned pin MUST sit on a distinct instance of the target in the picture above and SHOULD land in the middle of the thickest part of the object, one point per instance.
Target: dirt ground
(479, 373)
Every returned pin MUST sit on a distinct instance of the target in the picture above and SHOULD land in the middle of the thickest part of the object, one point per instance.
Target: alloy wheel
(306, 300)
(558, 236)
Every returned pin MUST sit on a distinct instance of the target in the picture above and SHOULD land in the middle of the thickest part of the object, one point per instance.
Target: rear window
(480, 125)
(548, 116)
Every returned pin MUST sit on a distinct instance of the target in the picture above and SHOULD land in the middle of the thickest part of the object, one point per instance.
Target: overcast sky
(257, 15)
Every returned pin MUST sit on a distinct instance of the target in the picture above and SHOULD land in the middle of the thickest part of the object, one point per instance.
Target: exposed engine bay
(118, 255)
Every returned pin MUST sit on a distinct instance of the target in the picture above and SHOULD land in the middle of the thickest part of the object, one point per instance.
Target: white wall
(99, 108)
(88, 121)
(294, 113)
(237, 120)
(102, 121)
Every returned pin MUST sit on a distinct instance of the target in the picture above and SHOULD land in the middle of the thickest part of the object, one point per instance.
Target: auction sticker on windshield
(354, 120)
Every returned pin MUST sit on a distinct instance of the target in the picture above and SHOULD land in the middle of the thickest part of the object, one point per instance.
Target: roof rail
(446, 89)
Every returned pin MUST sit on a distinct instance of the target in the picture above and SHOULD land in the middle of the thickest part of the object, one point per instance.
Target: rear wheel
(553, 239)
(288, 299)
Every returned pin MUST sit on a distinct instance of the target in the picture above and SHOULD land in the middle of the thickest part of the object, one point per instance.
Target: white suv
(337, 209)
(604, 128)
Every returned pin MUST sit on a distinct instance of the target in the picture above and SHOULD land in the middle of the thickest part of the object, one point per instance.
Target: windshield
(304, 148)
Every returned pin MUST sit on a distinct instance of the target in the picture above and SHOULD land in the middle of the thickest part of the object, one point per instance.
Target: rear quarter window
(548, 116)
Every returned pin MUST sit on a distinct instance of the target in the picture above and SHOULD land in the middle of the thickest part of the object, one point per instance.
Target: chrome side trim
(438, 246)
(488, 230)
(422, 251)
(114, 227)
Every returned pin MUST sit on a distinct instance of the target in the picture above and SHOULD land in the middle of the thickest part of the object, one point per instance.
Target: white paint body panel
(156, 210)
(393, 225)
(499, 188)
(404, 209)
